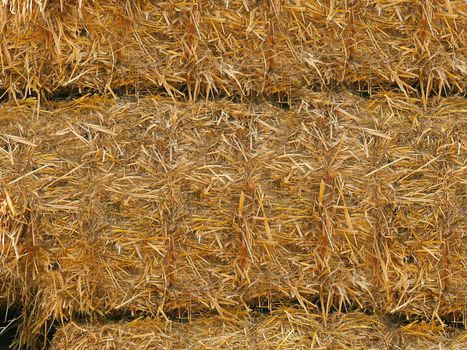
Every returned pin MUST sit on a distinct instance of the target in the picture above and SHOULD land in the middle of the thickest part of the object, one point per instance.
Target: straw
(285, 328)
(153, 207)
(244, 48)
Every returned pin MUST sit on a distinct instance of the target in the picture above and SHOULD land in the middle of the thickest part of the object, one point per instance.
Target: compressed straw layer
(245, 48)
(286, 328)
(152, 206)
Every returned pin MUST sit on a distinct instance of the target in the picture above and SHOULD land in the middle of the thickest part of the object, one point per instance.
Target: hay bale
(233, 47)
(285, 328)
(153, 207)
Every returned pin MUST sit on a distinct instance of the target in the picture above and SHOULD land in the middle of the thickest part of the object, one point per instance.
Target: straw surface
(245, 48)
(155, 207)
(286, 328)
(232, 181)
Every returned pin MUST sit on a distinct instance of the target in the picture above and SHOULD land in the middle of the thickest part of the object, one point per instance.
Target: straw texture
(9, 288)
(286, 328)
(245, 48)
(152, 207)
(234, 174)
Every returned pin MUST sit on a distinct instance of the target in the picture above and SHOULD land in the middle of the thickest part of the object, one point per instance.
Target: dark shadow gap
(184, 92)
(414, 89)
(10, 320)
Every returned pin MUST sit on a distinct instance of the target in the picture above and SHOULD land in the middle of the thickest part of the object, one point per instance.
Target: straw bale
(242, 47)
(416, 193)
(286, 328)
(153, 207)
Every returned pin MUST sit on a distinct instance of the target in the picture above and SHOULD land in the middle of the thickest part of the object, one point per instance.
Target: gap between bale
(281, 100)
(10, 319)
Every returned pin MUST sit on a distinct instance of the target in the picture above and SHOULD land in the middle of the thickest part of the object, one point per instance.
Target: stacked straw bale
(155, 207)
(286, 328)
(237, 47)
(268, 194)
